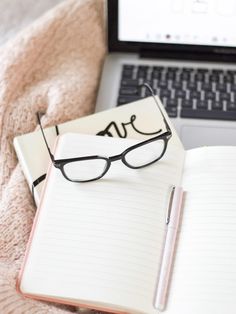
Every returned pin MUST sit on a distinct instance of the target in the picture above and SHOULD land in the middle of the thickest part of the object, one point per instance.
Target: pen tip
(161, 307)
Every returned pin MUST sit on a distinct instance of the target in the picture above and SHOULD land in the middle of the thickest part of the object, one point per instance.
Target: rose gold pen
(172, 222)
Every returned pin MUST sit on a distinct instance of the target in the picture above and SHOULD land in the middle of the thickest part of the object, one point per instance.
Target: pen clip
(168, 213)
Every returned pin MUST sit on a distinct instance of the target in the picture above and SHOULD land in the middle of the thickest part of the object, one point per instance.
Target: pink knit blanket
(53, 66)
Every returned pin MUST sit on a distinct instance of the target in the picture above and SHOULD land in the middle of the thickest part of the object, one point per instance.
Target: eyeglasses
(91, 168)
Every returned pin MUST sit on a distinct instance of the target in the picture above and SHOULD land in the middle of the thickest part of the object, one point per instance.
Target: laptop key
(199, 77)
(187, 70)
(177, 85)
(185, 76)
(171, 111)
(206, 86)
(171, 103)
(222, 87)
(165, 93)
(143, 67)
(142, 74)
(180, 94)
(210, 96)
(162, 83)
(228, 79)
(201, 104)
(186, 103)
(233, 87)
(202, 70)
(192, 85)
(126, 99)
(224, 96)
(172, 69)
(127, 73)
(217, 105)
(231, 106)
(218, 72)
(208, 114)
(214, 78)
(130, 82)
(156, 75)
(129, 91)
(194, 95)
(158, 68)
(128, 66)
(231, 72)
(171, 75)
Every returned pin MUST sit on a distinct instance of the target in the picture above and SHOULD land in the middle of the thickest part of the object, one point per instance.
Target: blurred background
(16, 14)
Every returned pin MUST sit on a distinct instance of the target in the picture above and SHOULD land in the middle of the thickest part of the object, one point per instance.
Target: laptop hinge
(183, 55)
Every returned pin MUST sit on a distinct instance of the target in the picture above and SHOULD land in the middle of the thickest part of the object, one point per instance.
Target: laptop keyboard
(185, 92)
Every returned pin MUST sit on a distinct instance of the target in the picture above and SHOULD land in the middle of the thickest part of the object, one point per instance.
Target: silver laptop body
(159, 43)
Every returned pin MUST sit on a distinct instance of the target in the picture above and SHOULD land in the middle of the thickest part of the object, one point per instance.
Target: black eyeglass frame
(60, 163)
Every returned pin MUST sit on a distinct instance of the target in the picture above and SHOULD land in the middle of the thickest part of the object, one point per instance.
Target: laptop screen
(183, 22)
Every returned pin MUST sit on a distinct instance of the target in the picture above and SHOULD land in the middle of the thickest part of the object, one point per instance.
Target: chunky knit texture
(53, 66)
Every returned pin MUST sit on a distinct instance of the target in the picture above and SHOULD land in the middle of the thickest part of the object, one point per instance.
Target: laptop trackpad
(195, 136)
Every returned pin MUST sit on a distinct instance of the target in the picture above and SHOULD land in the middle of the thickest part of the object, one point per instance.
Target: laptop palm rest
(191, 136)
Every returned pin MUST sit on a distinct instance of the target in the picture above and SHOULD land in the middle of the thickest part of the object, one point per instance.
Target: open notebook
(99, 244)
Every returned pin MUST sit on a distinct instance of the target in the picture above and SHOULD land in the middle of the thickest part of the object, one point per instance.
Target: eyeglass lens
(85, 170)
(145, 154)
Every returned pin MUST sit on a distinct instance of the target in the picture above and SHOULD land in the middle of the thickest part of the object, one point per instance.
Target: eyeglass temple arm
(44, 137)
(154, 96)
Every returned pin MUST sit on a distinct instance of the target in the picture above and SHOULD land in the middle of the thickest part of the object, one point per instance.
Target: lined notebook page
(100, 242)
(204, 277)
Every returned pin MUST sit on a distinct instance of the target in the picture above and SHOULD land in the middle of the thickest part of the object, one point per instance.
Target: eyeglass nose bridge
(120, 157)
(115, 157)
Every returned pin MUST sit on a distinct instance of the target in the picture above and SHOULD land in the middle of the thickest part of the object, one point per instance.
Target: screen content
(193, 22)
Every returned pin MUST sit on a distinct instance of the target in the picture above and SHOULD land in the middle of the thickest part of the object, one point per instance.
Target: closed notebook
(99, 244)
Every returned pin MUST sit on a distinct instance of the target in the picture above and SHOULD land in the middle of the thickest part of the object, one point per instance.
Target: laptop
(186, 51)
